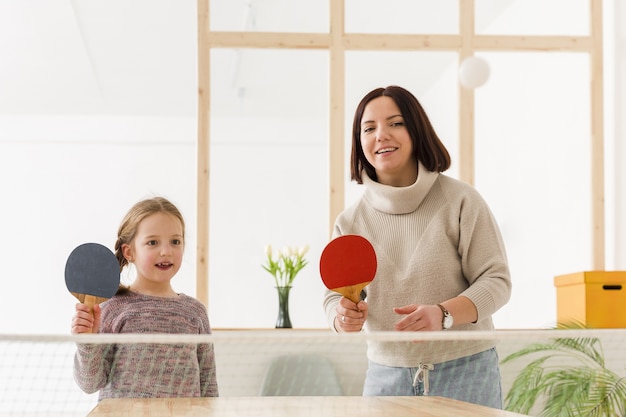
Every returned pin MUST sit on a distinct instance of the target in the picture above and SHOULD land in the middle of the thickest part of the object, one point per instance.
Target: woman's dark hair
(427, 147)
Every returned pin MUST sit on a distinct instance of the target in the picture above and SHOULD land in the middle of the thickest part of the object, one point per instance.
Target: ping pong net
(36, 371)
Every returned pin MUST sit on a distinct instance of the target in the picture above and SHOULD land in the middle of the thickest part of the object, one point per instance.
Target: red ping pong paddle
(348, 263)
(92, 274)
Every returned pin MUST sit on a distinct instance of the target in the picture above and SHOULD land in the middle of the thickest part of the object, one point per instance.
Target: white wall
(68, 180)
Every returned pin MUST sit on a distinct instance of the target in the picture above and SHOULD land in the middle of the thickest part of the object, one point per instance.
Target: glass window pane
(269, 180)
(269, 16)
(533, 167)
(402, 16)
(270, 83)
(532, 17)
(430, 76)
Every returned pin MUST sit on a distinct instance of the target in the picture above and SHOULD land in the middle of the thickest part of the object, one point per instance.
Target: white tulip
(303, 250)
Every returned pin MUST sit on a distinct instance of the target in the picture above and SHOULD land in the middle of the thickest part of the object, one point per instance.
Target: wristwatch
(447, 320)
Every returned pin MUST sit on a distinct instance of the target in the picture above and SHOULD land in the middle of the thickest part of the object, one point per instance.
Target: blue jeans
(474, 379)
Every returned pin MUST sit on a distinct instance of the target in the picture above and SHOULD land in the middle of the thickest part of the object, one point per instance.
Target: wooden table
(294, 407)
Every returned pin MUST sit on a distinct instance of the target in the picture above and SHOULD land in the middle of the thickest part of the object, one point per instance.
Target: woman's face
(386, 143)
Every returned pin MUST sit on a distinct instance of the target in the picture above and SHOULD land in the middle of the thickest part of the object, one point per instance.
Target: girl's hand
(418, 317)
(83, 321)
(350, 316)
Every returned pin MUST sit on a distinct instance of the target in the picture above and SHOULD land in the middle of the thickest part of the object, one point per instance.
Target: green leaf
(568, 378)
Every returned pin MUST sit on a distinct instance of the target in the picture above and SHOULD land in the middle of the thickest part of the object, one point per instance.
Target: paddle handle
(352, 292)
(89, 300)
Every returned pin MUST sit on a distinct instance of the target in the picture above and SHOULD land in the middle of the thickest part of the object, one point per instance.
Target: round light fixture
(473, 72)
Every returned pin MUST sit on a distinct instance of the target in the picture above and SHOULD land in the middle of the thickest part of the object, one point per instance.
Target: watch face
(447, 322)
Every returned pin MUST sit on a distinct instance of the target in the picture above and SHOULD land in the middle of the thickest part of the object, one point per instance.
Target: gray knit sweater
(434, 240)
(149, 369)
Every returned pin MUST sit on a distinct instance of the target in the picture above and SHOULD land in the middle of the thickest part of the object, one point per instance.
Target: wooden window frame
(337, 42)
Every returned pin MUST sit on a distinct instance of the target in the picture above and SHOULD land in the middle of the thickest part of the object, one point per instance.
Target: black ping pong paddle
(92, 273)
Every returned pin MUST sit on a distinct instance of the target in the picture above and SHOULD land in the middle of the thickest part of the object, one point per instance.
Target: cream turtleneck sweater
(434, 240)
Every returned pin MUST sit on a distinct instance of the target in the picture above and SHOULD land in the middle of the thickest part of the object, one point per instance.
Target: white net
(36, 371)
(36, 378)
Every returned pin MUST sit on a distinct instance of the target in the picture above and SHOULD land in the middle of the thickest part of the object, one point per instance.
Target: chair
(301, 375)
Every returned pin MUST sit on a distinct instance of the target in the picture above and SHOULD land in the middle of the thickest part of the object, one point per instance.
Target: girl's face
(386, 143)
(156, 251)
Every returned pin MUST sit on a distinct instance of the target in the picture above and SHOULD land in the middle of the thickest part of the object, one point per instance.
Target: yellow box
(596, 299)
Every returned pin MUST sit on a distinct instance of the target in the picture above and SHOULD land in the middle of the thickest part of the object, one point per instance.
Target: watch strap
(446, 313)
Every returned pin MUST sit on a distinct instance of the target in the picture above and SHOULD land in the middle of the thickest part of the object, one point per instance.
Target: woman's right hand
(83, 321)
(350, 316)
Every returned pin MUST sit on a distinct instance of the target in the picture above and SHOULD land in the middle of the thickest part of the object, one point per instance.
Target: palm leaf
(527, 388)
(589, 347)
(607, 394)
(566, 391)
(588, 389)
(580, 349)
(528, 350)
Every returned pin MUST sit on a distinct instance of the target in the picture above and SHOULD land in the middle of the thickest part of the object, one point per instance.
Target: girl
(441, 258)
(151, 236)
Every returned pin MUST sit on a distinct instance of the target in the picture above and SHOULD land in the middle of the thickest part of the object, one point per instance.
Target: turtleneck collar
(399, 200)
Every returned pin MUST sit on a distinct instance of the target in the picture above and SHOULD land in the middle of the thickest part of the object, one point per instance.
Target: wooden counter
(294, 407)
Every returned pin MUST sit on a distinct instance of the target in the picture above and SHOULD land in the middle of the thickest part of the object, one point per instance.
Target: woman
(441, 259)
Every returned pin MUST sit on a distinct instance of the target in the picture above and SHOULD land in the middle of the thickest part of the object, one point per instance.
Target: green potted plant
(566, 377)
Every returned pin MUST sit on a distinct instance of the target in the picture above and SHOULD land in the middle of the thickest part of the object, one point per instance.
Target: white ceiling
(128, 57)
(117, 57)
